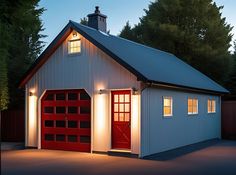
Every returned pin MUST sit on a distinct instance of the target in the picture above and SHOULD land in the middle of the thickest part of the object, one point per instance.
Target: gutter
(153, 84)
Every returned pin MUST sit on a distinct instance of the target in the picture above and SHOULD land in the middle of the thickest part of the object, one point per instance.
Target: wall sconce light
(31, 93)
(101, 91)
(134, 91)
(74, 34)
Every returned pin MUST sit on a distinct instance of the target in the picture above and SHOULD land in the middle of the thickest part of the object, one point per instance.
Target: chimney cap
(97, 12)
(97, 9)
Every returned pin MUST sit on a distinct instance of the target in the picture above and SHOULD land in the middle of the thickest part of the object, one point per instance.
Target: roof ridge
(133, 42)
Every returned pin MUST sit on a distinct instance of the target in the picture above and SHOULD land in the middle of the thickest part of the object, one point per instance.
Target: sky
(59, 12)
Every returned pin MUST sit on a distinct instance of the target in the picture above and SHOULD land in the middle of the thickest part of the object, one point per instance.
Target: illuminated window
(74, 46)
(211, 106)
(167, 106)
(192, 106)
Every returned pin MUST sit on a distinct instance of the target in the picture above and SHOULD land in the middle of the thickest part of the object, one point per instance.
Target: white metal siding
(160, 134)
(91, 70)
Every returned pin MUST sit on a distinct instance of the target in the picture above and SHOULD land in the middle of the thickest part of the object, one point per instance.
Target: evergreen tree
(127, 32)
(193, 30)
(84, 21)
(4, 96)
(231, 84)
(4, 45)
(22, 18)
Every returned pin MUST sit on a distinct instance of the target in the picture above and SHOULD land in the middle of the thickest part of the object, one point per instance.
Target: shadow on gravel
(175, 153)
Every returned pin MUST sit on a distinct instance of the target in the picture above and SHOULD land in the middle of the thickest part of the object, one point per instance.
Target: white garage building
(95, 92)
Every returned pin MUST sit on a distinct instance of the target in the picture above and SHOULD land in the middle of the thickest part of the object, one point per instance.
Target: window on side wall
(167, 107)
(211, 106)
(192, 106)
(74, 46)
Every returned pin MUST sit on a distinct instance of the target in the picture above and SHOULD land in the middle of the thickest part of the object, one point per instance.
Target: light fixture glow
(74, 34)
(100, 111)
(102, 91)
(32, 119)
(135, 110)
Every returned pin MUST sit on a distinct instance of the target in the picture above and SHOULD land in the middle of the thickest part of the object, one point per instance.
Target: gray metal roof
(152, 64)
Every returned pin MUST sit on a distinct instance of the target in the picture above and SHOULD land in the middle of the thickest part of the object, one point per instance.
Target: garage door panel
(59, 117)
(48, 117)
(81, 132)
(78, 103)
(66, 120)
(67, 103)
(48, 103)
(69, 116)
(73, 145)
(81, 117)
(54, 130)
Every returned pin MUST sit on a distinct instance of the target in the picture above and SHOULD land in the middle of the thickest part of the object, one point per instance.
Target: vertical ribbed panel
(160, 134)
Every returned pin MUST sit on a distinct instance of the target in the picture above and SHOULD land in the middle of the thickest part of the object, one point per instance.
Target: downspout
(145, 85)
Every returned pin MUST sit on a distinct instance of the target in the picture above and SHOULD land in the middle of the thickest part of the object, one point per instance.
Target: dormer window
(74, 46)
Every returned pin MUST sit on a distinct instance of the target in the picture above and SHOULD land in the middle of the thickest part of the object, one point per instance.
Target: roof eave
(152, 83)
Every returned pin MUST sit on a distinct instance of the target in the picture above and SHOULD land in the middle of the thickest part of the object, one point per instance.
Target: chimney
(97, 20)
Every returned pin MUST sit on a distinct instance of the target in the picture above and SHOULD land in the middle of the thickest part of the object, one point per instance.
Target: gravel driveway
(216, 159)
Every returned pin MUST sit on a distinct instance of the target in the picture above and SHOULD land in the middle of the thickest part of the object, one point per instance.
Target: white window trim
(167, 115)
(75, 53)
(192, 113)
(211, 112)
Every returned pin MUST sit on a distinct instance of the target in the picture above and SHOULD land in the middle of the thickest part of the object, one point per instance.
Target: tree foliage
(84, 21)
(193, 30)
(128, 33)
(231, 83)
(21, 42)
(4, 95)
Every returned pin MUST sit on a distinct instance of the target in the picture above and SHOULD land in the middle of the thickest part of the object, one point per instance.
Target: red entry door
(121, 115)
(66, 120)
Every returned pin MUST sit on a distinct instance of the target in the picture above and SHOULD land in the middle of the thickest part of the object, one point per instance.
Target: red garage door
(66, 120)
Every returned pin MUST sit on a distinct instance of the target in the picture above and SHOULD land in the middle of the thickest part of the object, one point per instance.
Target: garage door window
(60, 124)
(60, 137)
(49, 123)
(85, 139)
(84, 124)
(72, 124)
(84, 96)
(60, 110)
(49, 137)
(84, 110)
(49, 97)
(60, 96)
(48, 110)
(72, 110)
(72, 138)
(72, 96)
